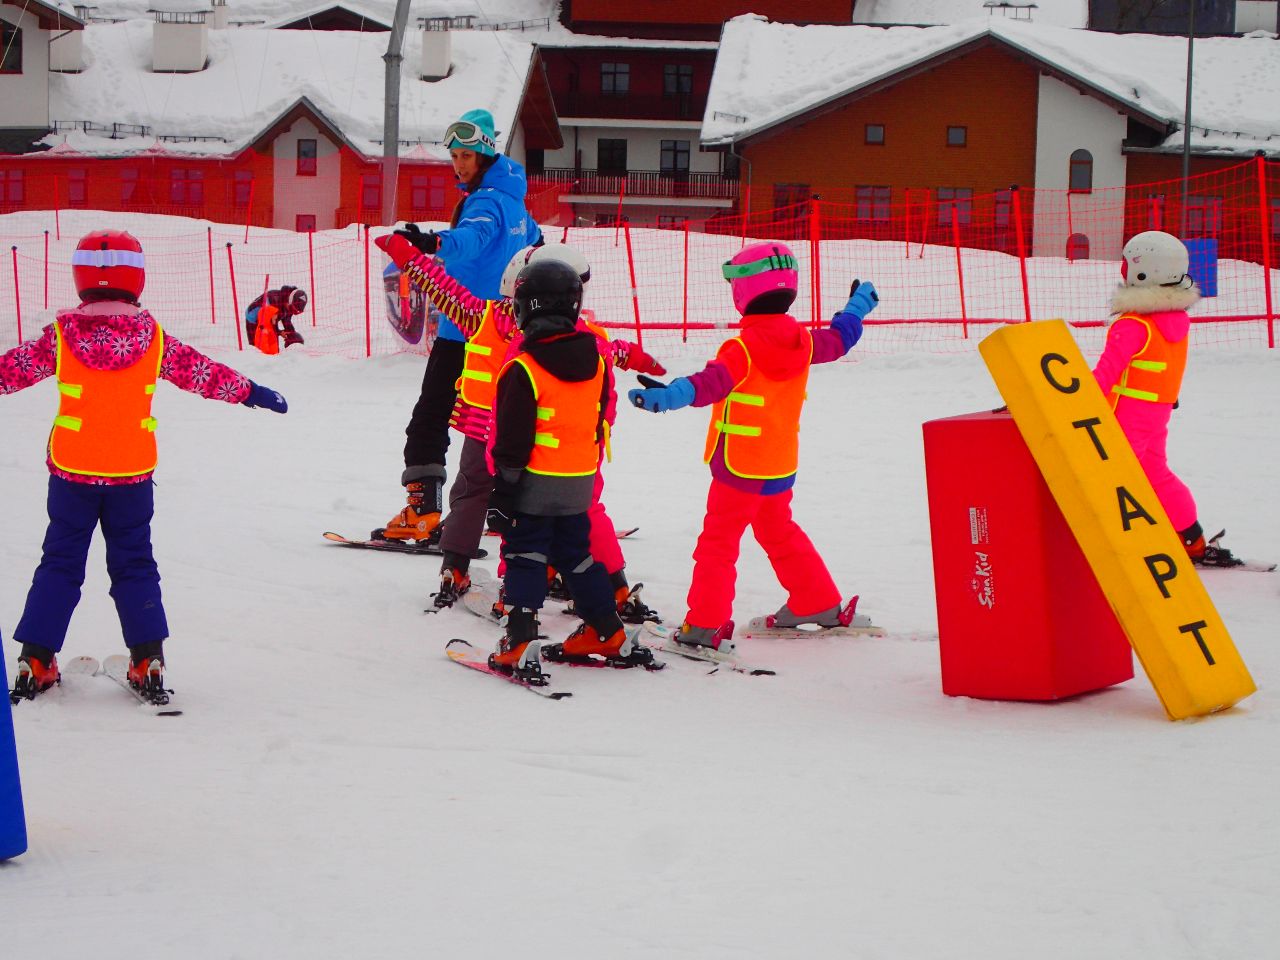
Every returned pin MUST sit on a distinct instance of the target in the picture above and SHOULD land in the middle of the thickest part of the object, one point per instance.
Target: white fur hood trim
(1153, 299)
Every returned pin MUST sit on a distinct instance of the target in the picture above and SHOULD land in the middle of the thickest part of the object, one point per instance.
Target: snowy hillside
(338, 789)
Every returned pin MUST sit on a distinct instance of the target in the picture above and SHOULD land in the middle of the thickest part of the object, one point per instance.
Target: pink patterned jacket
(112, 335)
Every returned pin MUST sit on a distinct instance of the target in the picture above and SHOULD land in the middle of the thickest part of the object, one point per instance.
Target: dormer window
(11, 45)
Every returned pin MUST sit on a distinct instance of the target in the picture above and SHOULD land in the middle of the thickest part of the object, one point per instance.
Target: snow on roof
(254, 76)
(275, 11)
(765, 72)
(1062, 13)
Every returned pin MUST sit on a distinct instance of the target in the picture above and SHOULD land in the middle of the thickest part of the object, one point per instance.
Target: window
(535, 161)
(675, 156)
(873, 202)
(128, 185)
(186, 185)
(957, 136)
(10, 48)
(672, 220)
(371, 191)
(961, 198)
(611, 155)
(77, 188)
(1080, 179)
(1077, 247)
(677, 79)
(607, 220)
(875, 134)
(242, 188)
(11, 191)
(305, 223)
(307, 162)
(1275, 219)
(790, 194)
(1004, 208)
(427, 193)
(615, 79)
(1204, 217)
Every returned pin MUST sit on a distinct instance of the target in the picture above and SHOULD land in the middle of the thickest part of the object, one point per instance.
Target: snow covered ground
(337, 788)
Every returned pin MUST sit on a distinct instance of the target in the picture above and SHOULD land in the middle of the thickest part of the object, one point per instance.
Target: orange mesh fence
(948, 266)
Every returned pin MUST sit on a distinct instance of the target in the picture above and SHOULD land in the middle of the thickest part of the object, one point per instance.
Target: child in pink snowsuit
(757, 384)
(1141, 367)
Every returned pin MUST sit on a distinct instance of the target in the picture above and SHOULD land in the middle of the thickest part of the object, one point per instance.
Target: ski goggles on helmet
(468, 134)
(775, 261)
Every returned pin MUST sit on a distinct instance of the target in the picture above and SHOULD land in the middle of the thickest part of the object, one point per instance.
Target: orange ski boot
(37, 672)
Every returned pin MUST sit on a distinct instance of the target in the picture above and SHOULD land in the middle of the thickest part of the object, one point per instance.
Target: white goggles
(108, 258)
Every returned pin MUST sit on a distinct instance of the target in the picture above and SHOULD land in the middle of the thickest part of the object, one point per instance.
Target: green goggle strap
(735, 271)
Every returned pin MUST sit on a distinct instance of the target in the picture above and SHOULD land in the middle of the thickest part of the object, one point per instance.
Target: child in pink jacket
(1141, 367)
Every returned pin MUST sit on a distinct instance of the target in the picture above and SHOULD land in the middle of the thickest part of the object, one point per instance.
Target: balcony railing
(641, 183)
(684, 106)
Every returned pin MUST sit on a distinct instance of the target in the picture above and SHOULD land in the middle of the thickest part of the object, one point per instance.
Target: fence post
(1022, 249)
(635, 294)
(311, 270)
(368, 312)
(57, 215)
(955, 238)
(746, 213)
(1264, 222)
(17, 298)
(235, 298)
(1155, 212)
(46, 269)
(815, 262)
(622, 192)
(213, 304)
(564, 234)
(248, 214)
(684, 319)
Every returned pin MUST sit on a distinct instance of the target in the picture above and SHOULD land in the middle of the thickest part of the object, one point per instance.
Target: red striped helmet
(108, 264)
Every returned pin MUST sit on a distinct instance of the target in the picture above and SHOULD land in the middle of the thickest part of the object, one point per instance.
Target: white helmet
(1155, 259)
(561, 253)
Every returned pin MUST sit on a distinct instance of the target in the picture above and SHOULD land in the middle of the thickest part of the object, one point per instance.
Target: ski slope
(338, 788)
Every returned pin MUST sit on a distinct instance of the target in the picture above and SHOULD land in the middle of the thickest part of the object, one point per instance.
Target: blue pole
(13, 824)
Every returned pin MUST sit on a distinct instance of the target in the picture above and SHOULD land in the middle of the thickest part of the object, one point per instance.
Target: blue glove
(679, 393)
(862, 299)
(260, 396)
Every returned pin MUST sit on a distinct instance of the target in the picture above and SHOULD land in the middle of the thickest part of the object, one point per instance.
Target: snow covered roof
(1062, 13)
(52, 14)
(256, 76)
(765, 76)
(369, 12)
(273, 11)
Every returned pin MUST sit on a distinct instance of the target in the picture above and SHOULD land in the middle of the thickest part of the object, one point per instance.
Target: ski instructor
(489, 224)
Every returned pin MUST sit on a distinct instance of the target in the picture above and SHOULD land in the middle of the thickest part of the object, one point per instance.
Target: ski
(162, 704)
(852, 624)
(75, 667)
(421, 547)
(623, 534)
(667, 643)
(1219, 557)
(462, 652)
(1245, 566)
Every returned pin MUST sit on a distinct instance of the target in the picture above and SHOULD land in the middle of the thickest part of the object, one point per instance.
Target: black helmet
(547, 288)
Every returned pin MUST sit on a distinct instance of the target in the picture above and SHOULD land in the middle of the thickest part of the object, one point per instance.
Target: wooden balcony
(682, 106)
(639, 183)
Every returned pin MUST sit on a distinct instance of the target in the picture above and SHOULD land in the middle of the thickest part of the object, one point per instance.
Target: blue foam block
(13, 823)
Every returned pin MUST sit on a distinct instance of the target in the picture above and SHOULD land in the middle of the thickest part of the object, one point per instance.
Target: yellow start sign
(1106, 499)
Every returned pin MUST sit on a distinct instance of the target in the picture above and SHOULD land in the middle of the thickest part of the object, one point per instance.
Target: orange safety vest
(1155, 372)
(566, 443)
(265, 337)
(104, 426)
(482, 361)
(760, 422)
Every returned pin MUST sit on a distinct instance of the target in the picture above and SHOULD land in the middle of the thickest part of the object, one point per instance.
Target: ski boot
(1207, 553)
(454, 581)
(420, 519)
(517, 653)
(146, 671)
(631, 608)
(617, 649)
(37, 672)
(714, 638)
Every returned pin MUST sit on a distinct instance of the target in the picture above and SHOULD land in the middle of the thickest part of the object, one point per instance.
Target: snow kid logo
(983, 582)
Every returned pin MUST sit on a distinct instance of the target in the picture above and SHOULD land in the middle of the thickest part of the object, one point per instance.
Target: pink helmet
(760, 268)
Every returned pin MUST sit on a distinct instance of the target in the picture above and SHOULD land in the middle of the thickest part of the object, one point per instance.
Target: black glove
(292, 338)
(427, 243)
(649, 382)
(502, 508)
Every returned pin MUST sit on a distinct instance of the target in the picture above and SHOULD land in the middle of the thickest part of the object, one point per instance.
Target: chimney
(437, 45)
(180, 37)
(66, 47)
(221, 15)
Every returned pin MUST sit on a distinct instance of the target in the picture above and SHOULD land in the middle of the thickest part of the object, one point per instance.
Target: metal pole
(1186, 121)
(391, 112)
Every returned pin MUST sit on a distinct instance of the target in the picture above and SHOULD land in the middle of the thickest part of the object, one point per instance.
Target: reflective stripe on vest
(760, 421)
(566, 442)
(483, 356)
(104, 426)
(1155, 372)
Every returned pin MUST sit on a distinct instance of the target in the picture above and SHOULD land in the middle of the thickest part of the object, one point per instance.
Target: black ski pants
(428, 430)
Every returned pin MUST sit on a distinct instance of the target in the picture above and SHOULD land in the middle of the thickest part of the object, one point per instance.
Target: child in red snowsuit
(757, 386)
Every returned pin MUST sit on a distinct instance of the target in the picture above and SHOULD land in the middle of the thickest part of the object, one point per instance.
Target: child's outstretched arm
(846, 325)
(629, 356)
(189, 369)
(709, 385)
(29, 362)
(449, 296)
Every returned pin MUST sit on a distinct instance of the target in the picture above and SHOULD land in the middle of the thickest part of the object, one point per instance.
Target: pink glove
(637, 360)
(397, 248)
